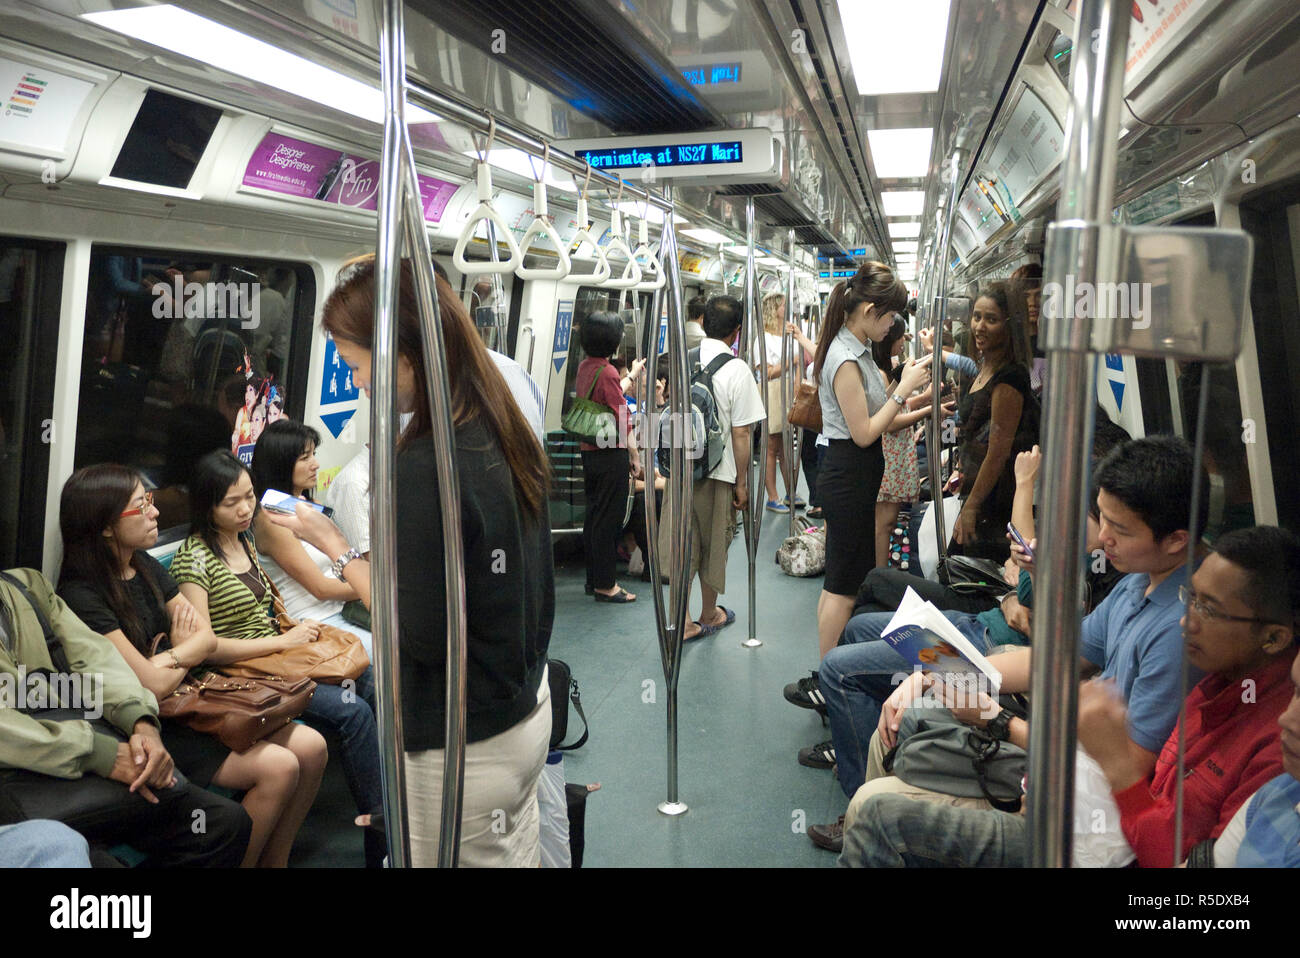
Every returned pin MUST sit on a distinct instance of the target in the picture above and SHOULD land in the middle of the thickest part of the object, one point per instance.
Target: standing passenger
(509, 578)
(716, 498)
(856, 412)
(605, 471)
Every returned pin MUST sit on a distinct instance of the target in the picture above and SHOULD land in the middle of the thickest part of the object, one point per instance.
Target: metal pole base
(752, 643)
(672, 808)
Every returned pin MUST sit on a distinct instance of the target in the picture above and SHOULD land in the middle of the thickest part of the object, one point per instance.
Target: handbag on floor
(803, 555)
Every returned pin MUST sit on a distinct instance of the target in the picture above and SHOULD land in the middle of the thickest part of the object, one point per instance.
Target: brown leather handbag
(807, 408)
(238, 711)
(336, 656)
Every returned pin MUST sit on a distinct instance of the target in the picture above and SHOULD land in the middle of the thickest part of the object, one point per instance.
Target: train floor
(749, 799)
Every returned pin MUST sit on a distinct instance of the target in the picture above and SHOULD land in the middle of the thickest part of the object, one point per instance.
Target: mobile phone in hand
(1015, 534)
(281, 502)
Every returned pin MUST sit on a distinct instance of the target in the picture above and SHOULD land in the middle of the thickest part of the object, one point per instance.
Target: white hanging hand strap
(486, 211)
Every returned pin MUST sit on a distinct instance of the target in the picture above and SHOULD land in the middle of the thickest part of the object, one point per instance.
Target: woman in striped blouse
(218, 573)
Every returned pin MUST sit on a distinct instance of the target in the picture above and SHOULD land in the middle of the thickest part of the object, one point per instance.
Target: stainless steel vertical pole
(790, 374)
(671, 620)
(934, 437)
(753, 517)
(1076, 253)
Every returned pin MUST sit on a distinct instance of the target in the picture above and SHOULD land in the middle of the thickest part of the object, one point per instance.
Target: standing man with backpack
(726, 398)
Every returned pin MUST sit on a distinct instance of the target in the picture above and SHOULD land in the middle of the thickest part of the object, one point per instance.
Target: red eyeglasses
(148, 501)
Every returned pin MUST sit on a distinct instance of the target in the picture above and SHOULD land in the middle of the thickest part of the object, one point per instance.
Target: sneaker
(821, 755)
(829, 837)
(806, 693)
(774, 506)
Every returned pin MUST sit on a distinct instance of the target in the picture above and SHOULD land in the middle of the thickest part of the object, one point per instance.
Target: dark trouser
(810, 455)
(882, 590)
(604, 475)
(349, 712)
(190, 827)
(637, 524)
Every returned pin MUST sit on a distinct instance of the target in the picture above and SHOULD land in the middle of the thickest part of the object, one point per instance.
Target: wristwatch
(336, 569)
(899, 398)
(999, 727)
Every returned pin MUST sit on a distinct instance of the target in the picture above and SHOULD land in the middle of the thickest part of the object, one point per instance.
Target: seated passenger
(122, 592)
(1265, 832)
(1133, 636)
(1240, 626)
(159, 824)
(218, 572)
(285, 460)
(41, 843)
(509, 580)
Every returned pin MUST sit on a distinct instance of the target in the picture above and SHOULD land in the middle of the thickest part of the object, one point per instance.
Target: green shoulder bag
(591, 421)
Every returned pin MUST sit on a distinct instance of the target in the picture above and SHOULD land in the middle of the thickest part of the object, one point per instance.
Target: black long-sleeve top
(509, 592)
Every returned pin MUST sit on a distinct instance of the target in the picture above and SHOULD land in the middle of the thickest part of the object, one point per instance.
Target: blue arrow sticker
(1118, 389)
(1115, 361)
(336, 381)
(336, 421)
(563, 332)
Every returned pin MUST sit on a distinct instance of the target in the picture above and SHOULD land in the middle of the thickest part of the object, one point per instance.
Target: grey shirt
(845, 348)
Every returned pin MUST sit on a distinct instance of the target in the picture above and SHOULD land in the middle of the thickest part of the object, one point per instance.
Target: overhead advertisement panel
(979, 213)
(738, 156)
(1029, 146)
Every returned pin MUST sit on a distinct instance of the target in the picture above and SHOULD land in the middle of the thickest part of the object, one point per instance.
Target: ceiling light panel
(924, 23)
(901, 154)
(903, 202)
(905, 230)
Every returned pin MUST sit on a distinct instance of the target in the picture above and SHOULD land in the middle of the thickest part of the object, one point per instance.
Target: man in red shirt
(1240, 628)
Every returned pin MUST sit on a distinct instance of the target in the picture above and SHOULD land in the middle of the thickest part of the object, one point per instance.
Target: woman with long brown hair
(509, 578)
(856, 412)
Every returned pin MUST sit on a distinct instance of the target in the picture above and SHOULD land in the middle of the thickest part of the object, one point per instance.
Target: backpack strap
(576, 699)
(52, 643)
(718, 363)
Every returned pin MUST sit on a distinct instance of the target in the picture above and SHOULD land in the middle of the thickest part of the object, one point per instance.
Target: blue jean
(42, 844)
(350, 713)
(858, 676)
(895, 831)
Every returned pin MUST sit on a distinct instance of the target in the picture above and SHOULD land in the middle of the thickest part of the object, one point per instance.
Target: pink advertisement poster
(294, 167)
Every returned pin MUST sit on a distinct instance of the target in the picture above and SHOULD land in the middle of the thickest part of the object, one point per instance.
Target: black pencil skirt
(847, 486)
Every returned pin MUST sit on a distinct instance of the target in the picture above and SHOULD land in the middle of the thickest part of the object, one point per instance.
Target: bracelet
(176, 662)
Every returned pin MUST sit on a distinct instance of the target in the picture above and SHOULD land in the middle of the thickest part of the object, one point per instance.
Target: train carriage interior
(183, 184)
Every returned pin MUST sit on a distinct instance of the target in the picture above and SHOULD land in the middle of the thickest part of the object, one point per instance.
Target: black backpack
(705, 442)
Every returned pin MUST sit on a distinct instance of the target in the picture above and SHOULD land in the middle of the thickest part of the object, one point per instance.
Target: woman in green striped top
(219, 574)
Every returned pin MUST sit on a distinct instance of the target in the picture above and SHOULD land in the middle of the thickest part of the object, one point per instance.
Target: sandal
(815, 513)
(619, 597)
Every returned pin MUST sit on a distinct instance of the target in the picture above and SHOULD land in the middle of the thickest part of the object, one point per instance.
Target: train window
(166, 140)
(184, 353)
(29, 327)
(591, 299)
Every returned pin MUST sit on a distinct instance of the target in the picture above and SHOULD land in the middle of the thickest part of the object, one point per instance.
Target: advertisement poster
(293, 167)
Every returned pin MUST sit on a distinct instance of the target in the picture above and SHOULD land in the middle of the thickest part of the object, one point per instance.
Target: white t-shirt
(349, 496)
(773, 343)
(739, 402)
(298, 602)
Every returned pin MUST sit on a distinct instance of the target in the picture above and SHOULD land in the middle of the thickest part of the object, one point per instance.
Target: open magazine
(923, 636)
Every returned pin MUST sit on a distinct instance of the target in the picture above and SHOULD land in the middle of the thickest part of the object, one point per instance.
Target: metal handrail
(654, 268)
(400, 208)
(934, 436)
(789, 371)
(1087, 194)
(670, 618)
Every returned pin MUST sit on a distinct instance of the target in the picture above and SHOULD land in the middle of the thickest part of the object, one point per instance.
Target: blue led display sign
(712, 74)
(684, 154)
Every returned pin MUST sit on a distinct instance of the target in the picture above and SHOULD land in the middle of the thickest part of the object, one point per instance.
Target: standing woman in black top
(509, 578)
(999, 418)
(114, 586)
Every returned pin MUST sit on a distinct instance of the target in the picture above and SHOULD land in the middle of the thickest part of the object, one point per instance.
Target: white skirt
(499, 821)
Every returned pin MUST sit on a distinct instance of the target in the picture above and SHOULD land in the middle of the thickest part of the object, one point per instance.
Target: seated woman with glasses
(219, 573)
(114, 586)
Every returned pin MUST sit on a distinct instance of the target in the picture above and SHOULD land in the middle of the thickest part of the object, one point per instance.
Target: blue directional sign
(563, 331)
(1115, 375)
(336, 381)
(335, 422)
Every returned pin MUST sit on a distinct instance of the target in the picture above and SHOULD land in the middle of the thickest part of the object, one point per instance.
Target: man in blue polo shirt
(1134, 637)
